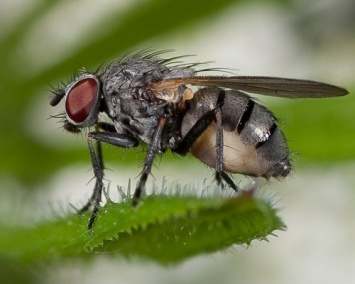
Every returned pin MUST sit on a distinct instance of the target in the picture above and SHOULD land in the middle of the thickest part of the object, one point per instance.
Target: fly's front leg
(112, 138)
(149, 159)
(98, 168)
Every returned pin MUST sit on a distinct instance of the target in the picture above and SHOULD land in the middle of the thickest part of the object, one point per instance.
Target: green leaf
(165, 229)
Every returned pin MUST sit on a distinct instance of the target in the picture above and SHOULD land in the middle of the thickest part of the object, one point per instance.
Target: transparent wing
(268, 86)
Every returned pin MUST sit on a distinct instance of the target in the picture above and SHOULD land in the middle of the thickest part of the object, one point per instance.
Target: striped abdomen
(252, 142)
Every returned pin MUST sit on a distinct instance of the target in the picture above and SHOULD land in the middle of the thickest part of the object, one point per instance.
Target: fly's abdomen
(252, 142)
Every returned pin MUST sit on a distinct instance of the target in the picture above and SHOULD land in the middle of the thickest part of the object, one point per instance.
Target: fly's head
(82, 102)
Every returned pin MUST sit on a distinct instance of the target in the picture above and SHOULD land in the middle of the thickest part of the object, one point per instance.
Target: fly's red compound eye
(82, 100)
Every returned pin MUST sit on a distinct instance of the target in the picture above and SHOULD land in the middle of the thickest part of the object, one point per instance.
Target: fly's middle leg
(149, 159)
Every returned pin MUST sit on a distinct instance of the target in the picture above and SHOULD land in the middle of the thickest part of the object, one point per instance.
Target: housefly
(152, 100)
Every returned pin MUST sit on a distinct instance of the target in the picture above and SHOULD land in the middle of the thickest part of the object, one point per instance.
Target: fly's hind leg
(220, 173)
(196, 131)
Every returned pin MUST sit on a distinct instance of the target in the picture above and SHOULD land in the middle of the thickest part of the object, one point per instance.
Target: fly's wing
(268, 86)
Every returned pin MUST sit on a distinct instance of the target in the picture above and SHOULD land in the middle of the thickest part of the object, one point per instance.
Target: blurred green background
(43, 42)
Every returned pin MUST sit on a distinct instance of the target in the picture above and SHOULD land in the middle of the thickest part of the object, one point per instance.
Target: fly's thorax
(131, 105)
(252, 142)
(128, 80)
(133, 73)
(136, 116)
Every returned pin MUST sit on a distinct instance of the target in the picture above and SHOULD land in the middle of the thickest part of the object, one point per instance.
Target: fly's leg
(98, 168)
(154, 148)
(219, 140)
(220, 173)
(113, 138)
(196, 131)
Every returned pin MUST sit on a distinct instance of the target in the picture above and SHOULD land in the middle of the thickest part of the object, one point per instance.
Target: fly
(150, 100)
